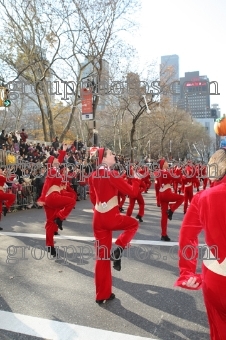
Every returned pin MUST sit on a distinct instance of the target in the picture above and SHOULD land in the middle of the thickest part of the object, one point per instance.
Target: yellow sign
(4, 101)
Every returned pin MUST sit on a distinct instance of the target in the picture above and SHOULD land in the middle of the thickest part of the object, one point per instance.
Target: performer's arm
(61, 156)
(92, 194)
(188, 247)
(123, 186)
(49, 181)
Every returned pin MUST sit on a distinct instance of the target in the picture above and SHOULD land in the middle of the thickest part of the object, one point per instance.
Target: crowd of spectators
(27, 161)
(26, 166)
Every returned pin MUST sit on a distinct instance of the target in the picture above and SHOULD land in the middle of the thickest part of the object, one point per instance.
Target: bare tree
(44, 38)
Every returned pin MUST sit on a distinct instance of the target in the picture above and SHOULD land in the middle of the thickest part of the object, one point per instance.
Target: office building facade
(169, 78)
(194, 95)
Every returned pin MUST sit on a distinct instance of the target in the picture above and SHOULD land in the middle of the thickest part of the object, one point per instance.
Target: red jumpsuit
(57, 204)
(203, 175)
(207, 212)
(121, 196)
(188, 180)
(4, 196)
(146, 177)
(177, 174)
(197, 177)
(157, 187)
(121, 201)
(168, 199)
(139, 198)
(104, 196)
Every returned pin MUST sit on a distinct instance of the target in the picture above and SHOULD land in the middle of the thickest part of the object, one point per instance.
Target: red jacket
(108, 183)
(207, 212)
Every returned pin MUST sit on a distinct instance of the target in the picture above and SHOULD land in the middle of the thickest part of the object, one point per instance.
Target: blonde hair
(217, 165)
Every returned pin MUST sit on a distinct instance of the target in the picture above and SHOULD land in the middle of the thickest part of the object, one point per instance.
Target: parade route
(47, 298)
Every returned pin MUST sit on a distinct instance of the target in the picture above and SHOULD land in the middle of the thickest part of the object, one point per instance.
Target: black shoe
(116, 254)
(170, 214)
(5, 210)
(52, 251)
(59, 223)
(139, 218)
(56, 233)
(1, 228)
(165, 238)
(112, 296)
(117, 265)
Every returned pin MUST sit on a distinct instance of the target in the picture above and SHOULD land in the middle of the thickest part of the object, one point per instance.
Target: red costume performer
(121, 201)
(139, 198)
(146, 177)
(157, 187)
(58, 199)
(6, 197)
(177, 171)
(207, 212)
(188, 180)
(203, 175)
(168, 199)
(121, 196)
(104, 187)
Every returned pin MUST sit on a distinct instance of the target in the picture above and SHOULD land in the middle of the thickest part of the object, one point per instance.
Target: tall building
(169, 78)
(90, 74)
(194, 95)
(215, 111)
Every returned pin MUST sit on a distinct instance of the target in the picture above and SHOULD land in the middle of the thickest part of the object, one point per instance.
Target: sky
(195, 30)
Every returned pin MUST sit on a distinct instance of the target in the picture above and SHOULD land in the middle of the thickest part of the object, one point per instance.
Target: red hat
(100, 155)
(50, 159)
(161, 163)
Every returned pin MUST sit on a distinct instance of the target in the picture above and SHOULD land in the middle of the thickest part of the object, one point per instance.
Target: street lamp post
(170, 149)
(95, 134)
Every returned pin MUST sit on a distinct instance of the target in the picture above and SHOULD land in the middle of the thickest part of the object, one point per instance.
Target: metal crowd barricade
(2, 157)
(25, 198)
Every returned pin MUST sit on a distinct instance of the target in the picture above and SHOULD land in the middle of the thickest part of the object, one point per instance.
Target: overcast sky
(195, 30)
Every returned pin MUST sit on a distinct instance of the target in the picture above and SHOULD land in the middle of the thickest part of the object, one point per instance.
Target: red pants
(103, 225)
(57, 204)
(188, 195)
(148, 185)
(166, 197)
(121, 199)
(215, 301)
(8, 199)
(175, 185)
(157, 194)
(140, 202)
(204, 183)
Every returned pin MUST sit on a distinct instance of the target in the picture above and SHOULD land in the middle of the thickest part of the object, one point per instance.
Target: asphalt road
(44, 298)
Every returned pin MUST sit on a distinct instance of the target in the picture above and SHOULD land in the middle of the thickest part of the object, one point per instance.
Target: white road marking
(55, 330)
(91, 239)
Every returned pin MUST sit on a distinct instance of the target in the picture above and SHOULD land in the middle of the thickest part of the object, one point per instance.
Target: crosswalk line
(56, 330)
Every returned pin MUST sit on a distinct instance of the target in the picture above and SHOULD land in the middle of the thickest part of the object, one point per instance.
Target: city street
(46, 298)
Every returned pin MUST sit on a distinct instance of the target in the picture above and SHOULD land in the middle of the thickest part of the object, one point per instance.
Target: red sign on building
(87, 104)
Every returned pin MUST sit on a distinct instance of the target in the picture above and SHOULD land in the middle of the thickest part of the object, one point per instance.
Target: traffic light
(4, 97)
